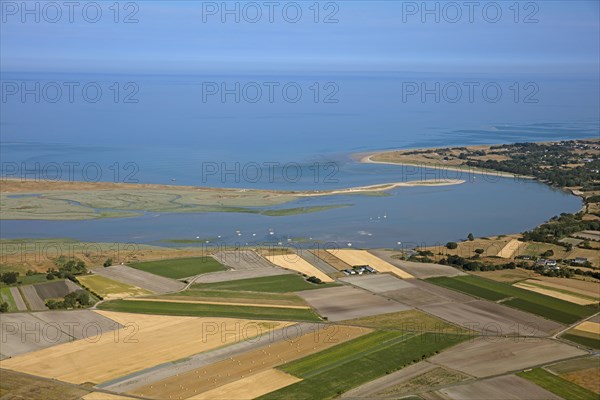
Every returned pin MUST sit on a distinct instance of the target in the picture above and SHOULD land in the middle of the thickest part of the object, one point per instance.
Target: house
(550, 263)
(580, 260)
(541, 262)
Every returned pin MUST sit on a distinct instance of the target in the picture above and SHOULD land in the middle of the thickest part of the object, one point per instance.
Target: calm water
(172, 136)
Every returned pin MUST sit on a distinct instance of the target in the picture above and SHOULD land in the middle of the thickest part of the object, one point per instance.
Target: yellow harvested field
(218, 302)
(586, 288)
(296, 345)
(511, 249)
(111, 289)
(250, 387)
(363, 257)
(588, 326)
(296, 263)
(105, 396)
(145, 341)
(556, 294)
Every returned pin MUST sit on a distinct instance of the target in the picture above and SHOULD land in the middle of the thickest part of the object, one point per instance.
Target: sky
(186, 37)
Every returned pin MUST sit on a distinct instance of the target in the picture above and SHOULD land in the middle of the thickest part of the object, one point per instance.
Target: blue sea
(290, 132)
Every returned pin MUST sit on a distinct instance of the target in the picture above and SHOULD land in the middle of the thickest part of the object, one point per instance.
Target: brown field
(491, 247)
(145, 341)
(509, 387)
(378, 283)
(16, 386)
(507, 275)
(111, 289)
(330, 259)
(586, 288)
(417, 269)
(346, 302)
(590, 327)
(296, 263)
(475, 356)
(105, 396)
(246, 260)
(197, 381)
(493, 319)
(511, 249)
(554, 293)
(363, 257)
(27, 332)
(414, 378)
(250, 387)
(142, 279)
(587, 378)
(582, 371)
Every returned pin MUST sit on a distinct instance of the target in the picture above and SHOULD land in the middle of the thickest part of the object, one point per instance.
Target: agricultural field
(241, 297)
(295, 263)
(558, 293)
(330, 259)
(507, 275)
(409, 321)
(582, 371)
(587, 334)
(378, 283)
(6, 295)
(179, 268)
(417, 269)
(363, 257)
(111, 289)
(332, 372)
(145, 280)
(406, 380)
(508, 387)
(198, 381)
(473, 357)
(143, 342)
(345, 302)
(557, 385)
(194, 309)
(535, 303)
(26, 332)
(14, 385)
(32, 298)
(271, 284)
(242, 264)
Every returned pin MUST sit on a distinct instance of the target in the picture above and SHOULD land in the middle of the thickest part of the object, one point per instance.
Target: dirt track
(418, 270)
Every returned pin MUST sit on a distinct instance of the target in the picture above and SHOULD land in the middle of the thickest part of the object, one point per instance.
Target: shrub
(452, 245)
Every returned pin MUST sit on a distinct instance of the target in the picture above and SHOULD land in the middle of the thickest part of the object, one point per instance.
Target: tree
(3, 307)
(50, 276)
(83, 297)
(452, 245)
(9, 277)
(479, 251)
(108, 262)
(471, 237)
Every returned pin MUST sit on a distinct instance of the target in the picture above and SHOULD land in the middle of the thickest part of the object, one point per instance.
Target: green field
(210, 310)
(331, 372)
(273, 284)
(409, 321)
(180, 267)
(558, 385)
(526, 300)
(105, 286)
(237, 297)
(6, 296)
(586, 341)
(25, 279)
